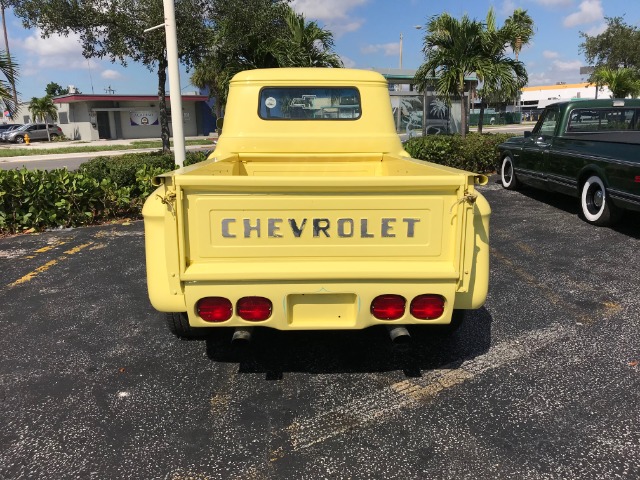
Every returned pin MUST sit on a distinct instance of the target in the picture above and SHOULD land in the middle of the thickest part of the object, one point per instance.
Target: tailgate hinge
(168, 200)
(467, 197)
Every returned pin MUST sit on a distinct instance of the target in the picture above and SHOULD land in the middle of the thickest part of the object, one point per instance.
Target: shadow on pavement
(355, 351)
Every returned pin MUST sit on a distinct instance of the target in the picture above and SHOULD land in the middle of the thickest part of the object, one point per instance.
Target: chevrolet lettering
(318, 227)
(310, 215)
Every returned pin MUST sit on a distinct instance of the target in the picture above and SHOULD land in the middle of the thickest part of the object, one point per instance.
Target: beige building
(94, 117)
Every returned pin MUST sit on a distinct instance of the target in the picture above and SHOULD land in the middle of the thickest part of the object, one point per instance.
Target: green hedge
(116, 187)
(101, 189)
(476, 152)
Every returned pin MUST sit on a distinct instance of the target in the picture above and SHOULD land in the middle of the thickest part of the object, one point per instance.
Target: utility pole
(175, 93)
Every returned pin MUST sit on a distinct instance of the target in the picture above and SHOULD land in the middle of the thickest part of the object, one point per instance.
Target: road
(541, 383)
(71, 160)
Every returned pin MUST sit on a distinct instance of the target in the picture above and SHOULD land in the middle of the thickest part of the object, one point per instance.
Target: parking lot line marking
(407, 394)
(43, 268)
(50, 247)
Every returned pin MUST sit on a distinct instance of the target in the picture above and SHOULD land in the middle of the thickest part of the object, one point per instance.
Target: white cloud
(55, 51)
(111, 75)
(388, 49)
(573, 66)
(550, 54)
(597, 30)
(553, 3)
(507, 7)
(327, 9)
(348, 63)
(335, 13)
(590, 11)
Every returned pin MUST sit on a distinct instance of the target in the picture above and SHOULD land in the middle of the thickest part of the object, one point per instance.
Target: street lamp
(417, 27)
(175, 93)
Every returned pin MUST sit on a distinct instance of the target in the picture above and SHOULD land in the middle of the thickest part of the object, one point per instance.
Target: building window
(63, 117)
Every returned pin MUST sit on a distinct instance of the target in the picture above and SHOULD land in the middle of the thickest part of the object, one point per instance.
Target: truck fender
(161, 232)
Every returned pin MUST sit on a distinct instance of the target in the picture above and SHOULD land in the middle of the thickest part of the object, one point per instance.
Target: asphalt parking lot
(541, 383)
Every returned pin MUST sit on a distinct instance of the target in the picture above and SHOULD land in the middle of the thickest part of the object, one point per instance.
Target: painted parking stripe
(409, 394)
(43, 268)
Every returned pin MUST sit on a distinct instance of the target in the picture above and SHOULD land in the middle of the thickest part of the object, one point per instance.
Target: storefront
(94, 117)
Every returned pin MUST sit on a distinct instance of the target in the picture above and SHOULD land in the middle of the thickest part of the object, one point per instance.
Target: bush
(103, 188)
(475, 153)
(122, 169)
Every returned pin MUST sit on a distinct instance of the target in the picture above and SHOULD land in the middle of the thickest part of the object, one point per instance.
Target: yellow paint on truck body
(318, 216)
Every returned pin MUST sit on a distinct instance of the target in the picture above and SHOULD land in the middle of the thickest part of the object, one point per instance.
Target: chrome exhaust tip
(399, 335)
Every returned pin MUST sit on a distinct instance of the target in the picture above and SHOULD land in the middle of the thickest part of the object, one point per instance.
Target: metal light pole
(401, 51)
(175, 94)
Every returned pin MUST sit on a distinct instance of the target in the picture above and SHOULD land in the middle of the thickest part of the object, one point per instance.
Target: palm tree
(452, 50)
(622, 81)
(43, 109)
(520, 31)
(305, 44)
(3, 6)
(520, 28)
(205, 76)
(8, 70)
(502, 76)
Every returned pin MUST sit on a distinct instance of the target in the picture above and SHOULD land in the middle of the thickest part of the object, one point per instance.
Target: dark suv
(36, 131)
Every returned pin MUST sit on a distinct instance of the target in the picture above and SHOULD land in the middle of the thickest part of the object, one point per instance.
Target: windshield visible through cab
(309, 103)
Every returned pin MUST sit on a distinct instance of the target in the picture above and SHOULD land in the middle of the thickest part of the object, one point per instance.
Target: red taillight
(388, 307)
(427, 307)
(215, 309)
(254, 309)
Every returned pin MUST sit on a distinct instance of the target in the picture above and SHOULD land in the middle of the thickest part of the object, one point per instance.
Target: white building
(536, 98)
(94, 117)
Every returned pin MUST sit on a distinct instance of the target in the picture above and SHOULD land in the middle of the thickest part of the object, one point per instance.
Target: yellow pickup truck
(310, 215)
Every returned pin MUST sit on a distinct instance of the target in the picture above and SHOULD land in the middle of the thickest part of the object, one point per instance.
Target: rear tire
(457, 319)
(596, 205)
(507, 174)
(178, 324)
(53, 136)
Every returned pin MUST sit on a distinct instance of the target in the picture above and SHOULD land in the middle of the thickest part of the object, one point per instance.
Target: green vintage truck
(586, 148)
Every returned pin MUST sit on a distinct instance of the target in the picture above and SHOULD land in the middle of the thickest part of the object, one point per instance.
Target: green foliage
(475, 153)
(102, 189)
(618, 46)
(114, 29)
(54, 89)
(43, 109)
(456, 48)
(621, 81)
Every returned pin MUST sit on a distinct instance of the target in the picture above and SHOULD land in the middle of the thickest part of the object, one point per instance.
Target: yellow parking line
(43, 268)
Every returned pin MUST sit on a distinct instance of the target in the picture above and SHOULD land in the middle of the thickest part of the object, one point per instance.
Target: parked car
(585, 148)
(36, 131)
(7, 128)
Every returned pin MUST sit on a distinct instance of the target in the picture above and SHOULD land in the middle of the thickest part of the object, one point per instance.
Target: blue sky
(366, 32)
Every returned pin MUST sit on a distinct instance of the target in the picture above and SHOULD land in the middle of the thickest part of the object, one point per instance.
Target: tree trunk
(481, 116)
(162, 99)
(463, 115)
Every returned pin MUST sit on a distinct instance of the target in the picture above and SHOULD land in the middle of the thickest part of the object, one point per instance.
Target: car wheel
(178, 324)
(457, 319)
(597, 208)
(53, 136)
(19, 139)
(507, 174)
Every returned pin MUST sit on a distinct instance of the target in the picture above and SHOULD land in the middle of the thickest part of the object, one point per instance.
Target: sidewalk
(39, 146)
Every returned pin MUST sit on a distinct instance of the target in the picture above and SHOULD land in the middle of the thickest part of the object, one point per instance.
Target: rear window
(603, 120)
(309, 103)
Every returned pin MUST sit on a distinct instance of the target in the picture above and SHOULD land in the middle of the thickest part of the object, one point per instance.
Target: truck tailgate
(279, 227)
